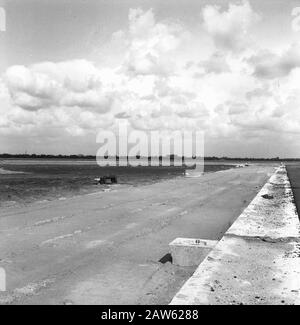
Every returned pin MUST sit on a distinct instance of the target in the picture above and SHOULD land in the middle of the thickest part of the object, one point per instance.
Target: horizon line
(82, 156)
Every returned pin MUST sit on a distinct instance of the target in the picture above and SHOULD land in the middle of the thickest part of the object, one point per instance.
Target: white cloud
(229, 93)
(229, 29)
(217, 63)
(46, 85)
(270, 65)
(151, 44)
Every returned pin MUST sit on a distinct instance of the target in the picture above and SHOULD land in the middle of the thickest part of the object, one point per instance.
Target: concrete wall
(258, 259)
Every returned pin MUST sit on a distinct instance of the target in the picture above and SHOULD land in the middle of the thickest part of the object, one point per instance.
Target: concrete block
(190, 251)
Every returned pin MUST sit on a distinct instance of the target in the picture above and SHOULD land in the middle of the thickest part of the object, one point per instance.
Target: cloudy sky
(229, 68)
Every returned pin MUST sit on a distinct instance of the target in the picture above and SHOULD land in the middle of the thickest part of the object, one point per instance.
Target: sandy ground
(105, 248)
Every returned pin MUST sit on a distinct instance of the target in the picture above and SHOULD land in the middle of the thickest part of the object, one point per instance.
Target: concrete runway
(257, 260)
(294, 176)
(105, 248)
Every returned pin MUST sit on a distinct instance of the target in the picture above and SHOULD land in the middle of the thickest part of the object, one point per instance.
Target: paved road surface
(104, 248)
(294, 176)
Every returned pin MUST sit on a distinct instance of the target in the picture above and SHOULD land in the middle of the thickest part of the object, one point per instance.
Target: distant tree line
(80, 156)
(44, 156)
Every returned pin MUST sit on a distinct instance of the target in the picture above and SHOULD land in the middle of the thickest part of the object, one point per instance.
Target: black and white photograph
(149, 155)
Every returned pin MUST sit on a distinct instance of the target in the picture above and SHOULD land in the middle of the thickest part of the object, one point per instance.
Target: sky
(71, 68)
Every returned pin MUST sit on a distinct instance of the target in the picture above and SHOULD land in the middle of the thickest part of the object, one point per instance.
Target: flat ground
(24, 181)
(104, 248)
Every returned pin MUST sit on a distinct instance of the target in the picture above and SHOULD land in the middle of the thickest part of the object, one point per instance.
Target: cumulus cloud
(225, 92)
(229, 28)
(217, 63)
(269, 65)
(150, 44)
(53, 100)
(237, 108)
(258, 92)
(149, 87)
(45, 85)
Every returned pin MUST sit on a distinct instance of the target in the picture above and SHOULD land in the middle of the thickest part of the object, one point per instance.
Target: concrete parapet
(258, 259)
